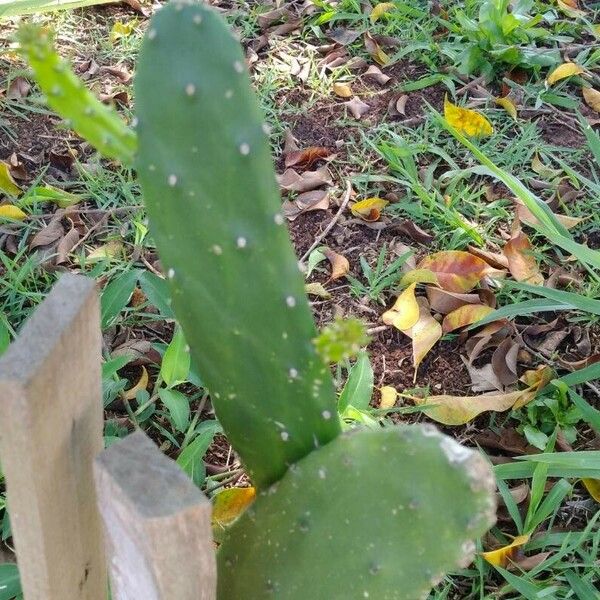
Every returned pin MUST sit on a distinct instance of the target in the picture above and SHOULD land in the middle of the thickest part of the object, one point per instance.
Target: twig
(333, 221)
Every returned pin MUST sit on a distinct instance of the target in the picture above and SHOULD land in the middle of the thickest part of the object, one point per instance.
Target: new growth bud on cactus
(209, 185)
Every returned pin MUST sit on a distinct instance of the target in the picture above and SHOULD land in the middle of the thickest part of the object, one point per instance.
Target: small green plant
(207, 178)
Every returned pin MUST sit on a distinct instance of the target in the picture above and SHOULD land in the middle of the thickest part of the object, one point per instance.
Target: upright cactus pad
(374, 514)
(208, 182)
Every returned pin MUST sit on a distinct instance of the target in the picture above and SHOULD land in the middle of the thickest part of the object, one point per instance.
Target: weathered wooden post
(157, 525)
(50, 431)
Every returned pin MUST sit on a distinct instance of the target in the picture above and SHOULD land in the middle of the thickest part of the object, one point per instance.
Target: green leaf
(156, 290)
(190, 459)
(4, 334)
(10, 583)
(521, 309)
(583, 589)
(30, 7)
(359, 387)
(590, 414)
(176, 360)
(178, 406)
(577, 301)
(115, 296)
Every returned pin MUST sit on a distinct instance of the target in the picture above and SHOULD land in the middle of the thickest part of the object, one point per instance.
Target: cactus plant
(327, 522)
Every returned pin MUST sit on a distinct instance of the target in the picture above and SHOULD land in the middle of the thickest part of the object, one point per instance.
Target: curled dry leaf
(383, 8)
(374, 49)
(593, 487)
(592, 98)
(494, 259)
(10, 212)
(456, 271)
(527, 563)
(292, 181)
(405, 312)
(306, 202)
(47, 235)
(563, 71)
(388, 397)
(339, 264)
(502, 556)
(357, 107)
(521, 261)
(528, 218)
(508, 105)
(413, 231)
(465, 315)
(141, 385)
(369, 209)
(424, 334)
(317, 289)
(445, 302)
(483, 379)
(109, 250)
(375, 74)
(466, 121)
(504, 362)
(306, 158)
(343, 90)
(544, 171)
(344, 36)
(18, 88)
(65, 245)
(397, 105)
(7, 183)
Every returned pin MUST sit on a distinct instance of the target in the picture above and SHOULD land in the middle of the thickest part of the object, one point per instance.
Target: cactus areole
(209, 184)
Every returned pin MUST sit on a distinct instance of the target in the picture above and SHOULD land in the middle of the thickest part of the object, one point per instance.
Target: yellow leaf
(339, 264)
(381, 9)
(229, 504)
(142, 384)
(570, 8)
(467, 121)
(508, 105)
(424, 334)
(563, 71)
(12, 212)
(592, 98)
(501, 556)
(108, 250)
(7, 183)
(405, 312)
(388, 396)
(317, 289)
(121, 30)
(343, 90)
(369, 209)
(375, 50)
(593, 487)
(419, 276)
(544, 171)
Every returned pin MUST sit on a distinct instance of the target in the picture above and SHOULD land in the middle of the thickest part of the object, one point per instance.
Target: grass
(438, 181)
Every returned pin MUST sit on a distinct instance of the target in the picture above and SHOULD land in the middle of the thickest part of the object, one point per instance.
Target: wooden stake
(157, 525)
(50, 431)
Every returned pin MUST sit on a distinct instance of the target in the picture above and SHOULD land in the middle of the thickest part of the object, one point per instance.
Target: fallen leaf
(317, 289)
(267, 19)
(397, 105)
(456, 271)
(508, 105)
(383, 8)
(535, 380)
(570, 8)
(374, 49)
(388, 397)
(339, 264)
(291, 181)
(592, 98)
(563, 71)
(466, 121)
(544, 171)
(229, 504)
(308, 157)
(343, 90)
(528, 218)
(424, 334)
(18, 88)
(111, 249)
(501, 556)
(47, 235)
(343, 36)
(412, 230)
(593, 487)
(527, 563)
(7, 183)
(65, 245)
(419, 276)
(306, 202)
(376, 75)
(122, 30)
(483, 379)
(369, 209)
(357, 107)
(11, 212)
(445, 302)
(494, 259)
(504, 362)
(405, 312)
(521, 261)
(141, 385)
(465, 315)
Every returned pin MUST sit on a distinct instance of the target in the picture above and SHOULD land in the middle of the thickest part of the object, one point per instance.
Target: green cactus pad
(209, 186)
(67, 95)
(374, 514)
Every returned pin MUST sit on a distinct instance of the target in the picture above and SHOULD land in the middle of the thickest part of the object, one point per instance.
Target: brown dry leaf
(521, 261)
(456, 271)
(47, 235)
(292, 181)
(445, 302)
(339, 264)
(397, 105)
(502, 556)
(369, 209)
(343, 36)
(388, 397)
(424, 334)
(488, 337)
(306, 202)
(375, 74)
(270, 17)
(317, 289)
(504, 362)
(374, 49)
(544, 171)
(413, 231)
(528, 218)
(592, 98)
(19, 88)
(405, 311)
(141, 384)
(465, 315)
(65, 245)
(494, 259)
(306, 158)
(527, 563)
(357, 107)
(343, 90)
(483, 379)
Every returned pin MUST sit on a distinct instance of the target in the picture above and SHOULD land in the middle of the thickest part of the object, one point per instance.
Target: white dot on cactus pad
(171, 273)
(278, 218)
(217, 250)
(293, 373)
(238, 66)
(290, 301)
(197, 19)
(229, 94)
(241, 242)
(326, 415)
(172, 180)
(190, 89)
(152, 34)
(244, 149)
(285, 436)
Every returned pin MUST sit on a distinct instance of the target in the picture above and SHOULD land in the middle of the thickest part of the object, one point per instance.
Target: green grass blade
(30, 7)
(578, 301)
(521, 309)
